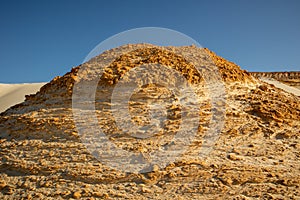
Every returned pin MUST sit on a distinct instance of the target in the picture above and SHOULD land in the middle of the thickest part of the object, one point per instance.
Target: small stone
(29, 197)
(8, 190)
(105, 195)
(51, 153)
(214, 166)
(77, 194)
(233, 157)
(155, 168)
(47, 184)
(2, 184)
(56, 119)
(271, 175)
(97, 194)
(146, 190)
(227, 181)
(263, 87)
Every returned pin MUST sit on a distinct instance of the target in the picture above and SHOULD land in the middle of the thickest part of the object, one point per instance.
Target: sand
(12, 94)
(282, 86)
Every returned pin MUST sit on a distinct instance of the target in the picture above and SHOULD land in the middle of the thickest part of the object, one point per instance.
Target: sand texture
(11, 94)
(287, 78)
(282, 86)
(256, 155)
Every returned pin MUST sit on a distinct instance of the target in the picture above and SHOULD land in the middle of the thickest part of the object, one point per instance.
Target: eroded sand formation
(255, 156)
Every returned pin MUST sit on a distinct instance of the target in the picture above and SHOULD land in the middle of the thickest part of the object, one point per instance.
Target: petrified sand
(255, 156)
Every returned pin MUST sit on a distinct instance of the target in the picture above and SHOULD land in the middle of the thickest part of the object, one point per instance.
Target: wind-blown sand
(12, 94)
(282, 86)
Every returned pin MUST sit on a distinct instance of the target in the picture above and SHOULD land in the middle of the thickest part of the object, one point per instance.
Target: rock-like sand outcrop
(256, 154)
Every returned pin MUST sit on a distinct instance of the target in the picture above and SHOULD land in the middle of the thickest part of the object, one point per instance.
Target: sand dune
(11, 94)
(282, 86)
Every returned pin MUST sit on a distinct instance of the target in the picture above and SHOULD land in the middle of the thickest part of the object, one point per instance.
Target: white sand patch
(12, 94)
(282, 86)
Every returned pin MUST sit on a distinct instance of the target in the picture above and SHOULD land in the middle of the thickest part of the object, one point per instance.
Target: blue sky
(43, 39)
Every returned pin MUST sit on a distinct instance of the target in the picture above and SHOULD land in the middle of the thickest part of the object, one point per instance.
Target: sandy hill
(256, 154)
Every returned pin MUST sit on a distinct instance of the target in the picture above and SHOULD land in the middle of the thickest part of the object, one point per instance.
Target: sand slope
(282, 86)
(11, 94)
(288, 78)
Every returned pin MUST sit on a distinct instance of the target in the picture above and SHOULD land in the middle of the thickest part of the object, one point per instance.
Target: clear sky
(42, 39)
